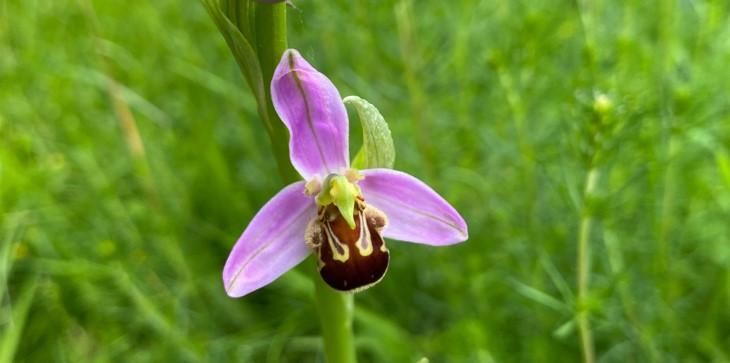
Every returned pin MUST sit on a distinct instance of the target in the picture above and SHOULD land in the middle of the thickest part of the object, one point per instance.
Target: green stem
(335, 316)
(270, 30)
(334, 308)
(583, 268)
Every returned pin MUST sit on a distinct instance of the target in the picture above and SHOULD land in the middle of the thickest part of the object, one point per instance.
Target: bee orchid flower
(336, 212)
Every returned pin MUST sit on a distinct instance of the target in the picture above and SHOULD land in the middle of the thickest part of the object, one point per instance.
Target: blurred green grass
(131, 158)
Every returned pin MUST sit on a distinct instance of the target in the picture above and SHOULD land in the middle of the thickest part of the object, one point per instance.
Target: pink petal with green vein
(312, 110)
(416, 213)
(272, 244)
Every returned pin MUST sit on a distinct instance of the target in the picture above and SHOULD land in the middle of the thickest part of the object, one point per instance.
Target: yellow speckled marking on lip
(340, 251)
(364, 244)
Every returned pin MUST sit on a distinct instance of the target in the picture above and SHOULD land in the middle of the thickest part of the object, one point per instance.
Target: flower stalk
(335, 310)
(271, 42)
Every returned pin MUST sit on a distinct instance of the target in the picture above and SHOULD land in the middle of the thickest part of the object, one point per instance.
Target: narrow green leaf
(723, 165)
(377, 149)
(565, 330)
(244, 54)
(390, 336)
(539, 297)
(14, 330)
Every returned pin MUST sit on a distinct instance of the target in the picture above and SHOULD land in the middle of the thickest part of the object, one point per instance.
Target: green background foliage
(132, 157)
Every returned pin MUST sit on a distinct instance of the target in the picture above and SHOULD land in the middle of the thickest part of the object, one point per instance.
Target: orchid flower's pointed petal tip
(291, 52)
(459, 234)
(416, 213)
(312, 110)
(290, 59)
(272, 244)
(463, 236)
(231, 292)
(463, 229)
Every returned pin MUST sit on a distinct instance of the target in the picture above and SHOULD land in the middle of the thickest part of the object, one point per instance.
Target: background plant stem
(334, 308)
(583, 267)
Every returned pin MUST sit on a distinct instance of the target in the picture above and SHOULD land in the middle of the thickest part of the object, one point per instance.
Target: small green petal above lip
(342, 193)
(377, 150)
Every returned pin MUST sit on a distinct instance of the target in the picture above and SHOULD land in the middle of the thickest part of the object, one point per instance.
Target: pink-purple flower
(338, 213)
